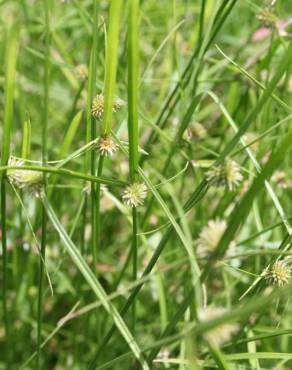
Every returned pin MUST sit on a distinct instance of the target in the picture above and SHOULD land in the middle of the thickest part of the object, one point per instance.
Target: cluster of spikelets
(30, 181)
(210, 236)
(278, 274)
(81, 72)
(106, 146)
(268, 16)
(226, 174)
(97, 109)
(134, 194)
(221, 333)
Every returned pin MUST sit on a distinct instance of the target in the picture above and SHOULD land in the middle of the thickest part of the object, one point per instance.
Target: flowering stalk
(91, 132)
(10, 73)
(44, 162)
(136, 191)
(105, 105)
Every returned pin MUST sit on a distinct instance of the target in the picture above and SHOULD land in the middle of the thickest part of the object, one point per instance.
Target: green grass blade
(25, 153)
(94, 284)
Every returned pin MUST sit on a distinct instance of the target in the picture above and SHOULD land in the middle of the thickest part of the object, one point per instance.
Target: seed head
(210, 236)
(97, 108)
(220, 334)
(226, 174)
(278, 274)
(280, 179)
(24, 179)
(250, 138)
(268, 17)
(134, 194)
(81, 72)
(198, 131)
(106, 146)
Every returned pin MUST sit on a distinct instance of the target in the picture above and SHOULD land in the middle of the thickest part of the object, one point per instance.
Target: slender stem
(92, 91)
(44, 162)
(111, 64)
(109, 89)
(10, 73)
(133, 130)
(4, 267)
(134, 259)
(202, 17)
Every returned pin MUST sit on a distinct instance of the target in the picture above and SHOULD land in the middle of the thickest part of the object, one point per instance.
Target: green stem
(111, 64)
(44, 162)
(4, 267)
(133, 130)
(92, 91)
(134, 260)
(10, 73)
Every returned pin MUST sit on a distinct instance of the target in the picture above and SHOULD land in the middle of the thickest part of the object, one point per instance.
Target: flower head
(198, 131)
(210, 236)
(97, 108)
(280, 179)
(24, 179)
(81, 72)
(278, 274)
(226, 174)
(268, 17)
(106, 145)
(250, 140)
(134, 194)
(222, 333)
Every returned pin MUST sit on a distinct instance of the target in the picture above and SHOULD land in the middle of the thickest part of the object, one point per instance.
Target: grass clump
(156, 139)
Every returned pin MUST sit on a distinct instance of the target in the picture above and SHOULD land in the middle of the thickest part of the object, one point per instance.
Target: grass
(145, 185)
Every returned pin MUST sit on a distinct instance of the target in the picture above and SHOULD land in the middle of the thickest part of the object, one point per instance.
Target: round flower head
(268, 17)
(280, 179)
(134, 194)
(226, 174)
(198, 131)
(220, 334)
(278, 274)
(24, 179)
(210, 236)
(97, 108)
(81, 72)
(106, 146)
(250, 140)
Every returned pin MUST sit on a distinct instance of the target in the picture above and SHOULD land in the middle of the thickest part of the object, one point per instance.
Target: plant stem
(109, 89)
(133, 87)
(10, 74)
(4, 267)
(44, 162)
(91, 93)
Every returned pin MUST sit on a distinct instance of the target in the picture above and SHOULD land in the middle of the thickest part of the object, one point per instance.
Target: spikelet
(220, 334)
(81, 72)
(278, 274)
(97, 109)
(134, 194)
(30, 181)
(226, 175)
(106, 146)
(210, 236)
